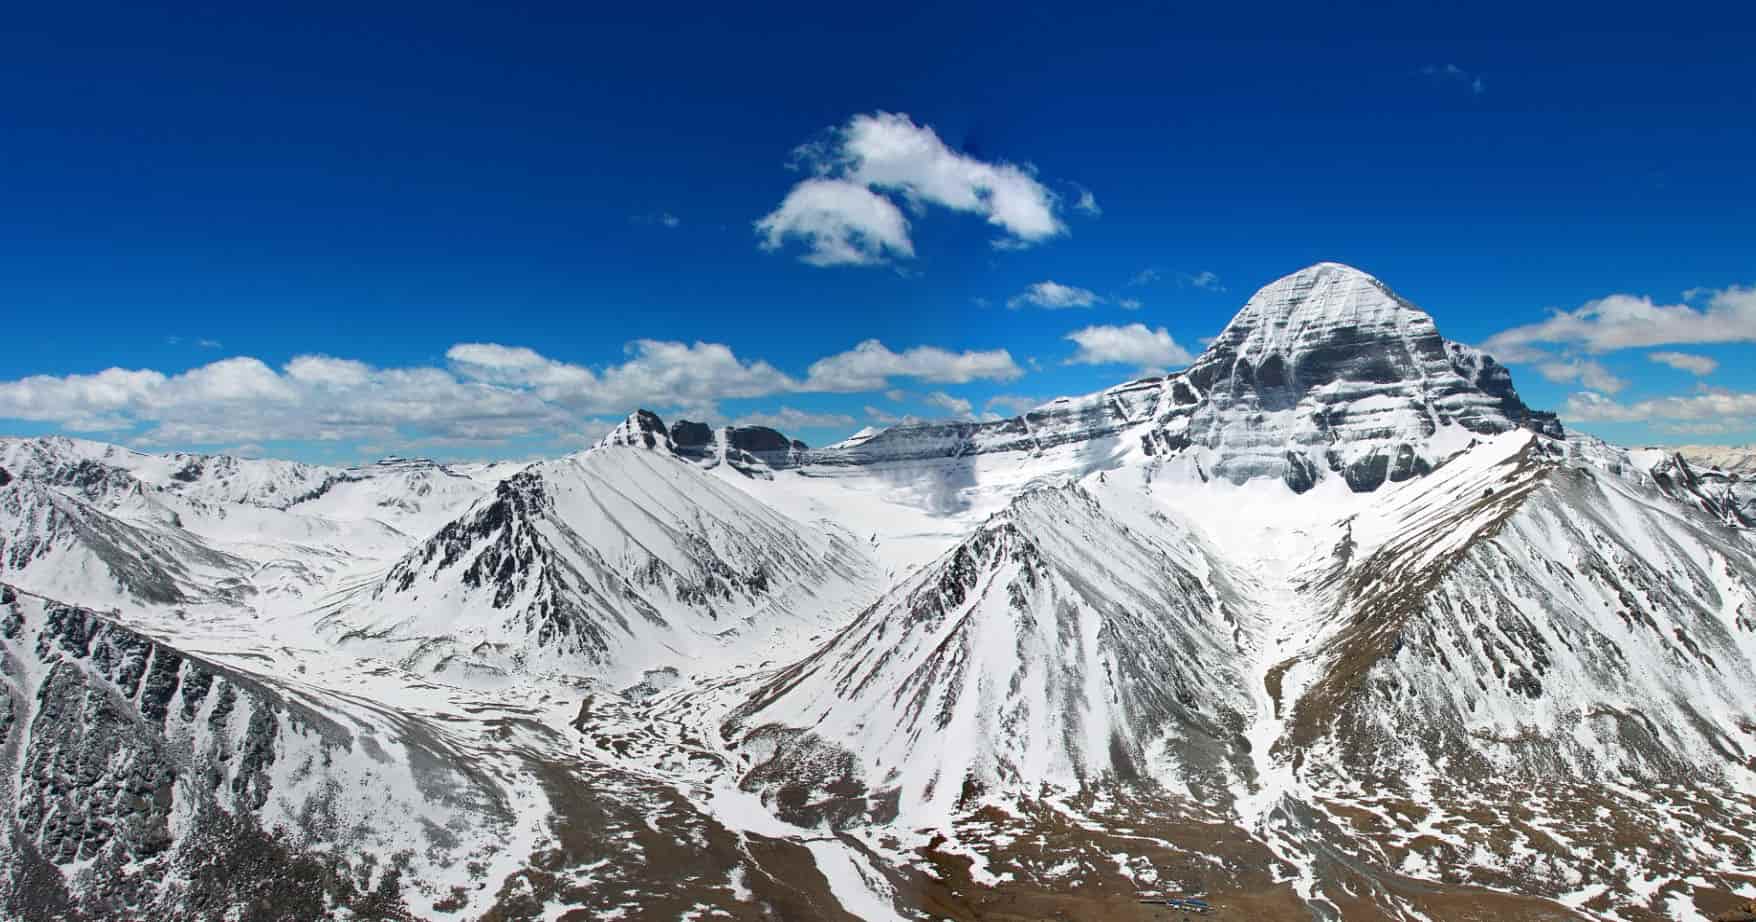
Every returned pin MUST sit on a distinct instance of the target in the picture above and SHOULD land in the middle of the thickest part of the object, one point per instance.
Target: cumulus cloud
(1054, 296)
(956, 406)
(787, 419)
(1622, 321)
(1684, 361)
(870, 366)
(486, 392)
(1134, 344)
(841, 217)
(841, 223)
(656, 373)
(1585, 371)
(1708, 405)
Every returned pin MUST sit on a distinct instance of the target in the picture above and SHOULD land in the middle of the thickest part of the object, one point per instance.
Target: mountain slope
(143, 782)
(617, 560)
(1067, 643)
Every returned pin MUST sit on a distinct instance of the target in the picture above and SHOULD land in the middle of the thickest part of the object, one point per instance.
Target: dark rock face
(113, 734)
(691, 435)
(642, 429)
(1330, 365)
(757, 439)
(1729, 497)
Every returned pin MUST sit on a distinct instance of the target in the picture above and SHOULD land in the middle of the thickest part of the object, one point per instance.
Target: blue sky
(481, 234)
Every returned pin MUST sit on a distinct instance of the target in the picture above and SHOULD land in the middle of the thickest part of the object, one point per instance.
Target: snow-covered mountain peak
(1327, 304)
(642, 429)
(1329, 371)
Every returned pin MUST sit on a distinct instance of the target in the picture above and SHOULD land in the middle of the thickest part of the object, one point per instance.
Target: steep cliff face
(1328, 371)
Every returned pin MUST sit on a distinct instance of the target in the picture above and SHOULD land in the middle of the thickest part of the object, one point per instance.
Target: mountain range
(1327, 625)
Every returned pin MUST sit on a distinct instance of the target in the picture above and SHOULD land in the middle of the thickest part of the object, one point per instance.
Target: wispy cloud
(1683, 361)
(1013, 404)
(1130, 304)
(1087, 203)
(1456, 76)
(1585, 371)
(1054, 296)
(956, 406)
(787, 419)
(842, 213)
(1204, 280)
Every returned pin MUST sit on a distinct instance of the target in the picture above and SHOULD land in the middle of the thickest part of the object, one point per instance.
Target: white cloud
(870, 366)
(843, 219)
(1054, 296)
(1134, 344)
(244, 400)
(1130, 304)
(896, 395)
(207, 343)
(842, 223)
(1204, 280)
(487, 392)
(657, 373)
(1585, 371)
(1622, 321)
(956, 406)
(1683, 361)
(1709, 406)
(787, 419)
(1013, 404)
(1087, 202)
(1146, 276)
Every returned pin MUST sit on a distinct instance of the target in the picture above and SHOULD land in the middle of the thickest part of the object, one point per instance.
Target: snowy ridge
(619, 559)
(1067, 642)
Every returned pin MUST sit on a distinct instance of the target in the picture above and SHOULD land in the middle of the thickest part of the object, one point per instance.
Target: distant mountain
(616, 560)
